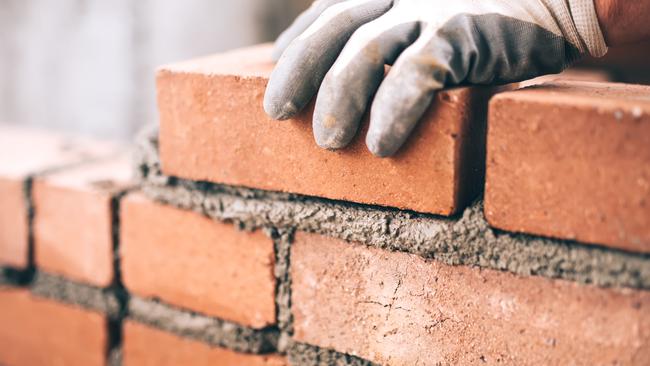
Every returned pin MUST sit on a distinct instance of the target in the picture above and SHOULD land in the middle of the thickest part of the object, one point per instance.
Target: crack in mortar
(463, 240)
(301, 354)
(213, 331)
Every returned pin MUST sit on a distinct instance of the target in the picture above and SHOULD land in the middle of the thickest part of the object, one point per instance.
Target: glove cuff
(586, 21)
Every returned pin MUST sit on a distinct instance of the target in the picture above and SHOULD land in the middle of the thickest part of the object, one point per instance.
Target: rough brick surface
(398, 309)
(213, 128)
(23, 154)
(73, 225)
(144, 345)
(35, 331)
(193, 262)
(572, 160)
(14, 230)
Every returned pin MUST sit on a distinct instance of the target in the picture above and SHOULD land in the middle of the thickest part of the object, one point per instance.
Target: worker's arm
(624, 21)
(338, 48)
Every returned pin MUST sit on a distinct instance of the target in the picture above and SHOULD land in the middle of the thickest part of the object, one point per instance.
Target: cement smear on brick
(301, 354)
(86, 296)
(206, 329)
(464, 240)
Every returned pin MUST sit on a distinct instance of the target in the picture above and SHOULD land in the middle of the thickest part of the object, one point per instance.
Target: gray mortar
(464, 240)
(301, 354)
(86, 296)
(199, 327)
(115, 357)
(282, 244)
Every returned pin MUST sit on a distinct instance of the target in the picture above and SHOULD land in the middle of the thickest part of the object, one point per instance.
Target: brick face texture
(73, 227)
(147, 346)
(398, 309)
(193, 262)
(35, 331)
(213, 128)
(572, 160)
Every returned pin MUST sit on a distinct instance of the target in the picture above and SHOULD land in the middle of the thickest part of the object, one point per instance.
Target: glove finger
(302, 22)
(303, 65)
(355, 76)
(406, 93)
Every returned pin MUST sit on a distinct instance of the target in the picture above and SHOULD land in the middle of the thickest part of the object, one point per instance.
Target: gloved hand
(341, 47)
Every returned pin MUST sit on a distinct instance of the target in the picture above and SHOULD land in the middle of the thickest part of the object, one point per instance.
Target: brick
(35, 331)
(399, 309)
(23, 154)
(572, 160)
(193, 262)
(73, 225)
(213, 128)
(14, 229)
(144, 345)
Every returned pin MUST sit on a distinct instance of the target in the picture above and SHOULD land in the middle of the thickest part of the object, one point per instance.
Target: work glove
(339, 48)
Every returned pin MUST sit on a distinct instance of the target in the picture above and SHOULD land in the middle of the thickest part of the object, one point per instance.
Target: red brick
(572, 160)
(144, 345)
(13, 223)
(23, 153)
(213, 128)
(193, 262)
(73, 225)
(398, 309)
(35, 331)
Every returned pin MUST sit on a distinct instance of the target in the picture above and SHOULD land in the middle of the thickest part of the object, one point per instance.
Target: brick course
(73, 226)
(398, 309)
(572, 160)
(144, 345)
(35, 331)
(193, 262)
(213, 128)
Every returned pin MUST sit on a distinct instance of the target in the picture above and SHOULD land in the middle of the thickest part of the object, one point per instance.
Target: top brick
(572, 160)
(213, 128)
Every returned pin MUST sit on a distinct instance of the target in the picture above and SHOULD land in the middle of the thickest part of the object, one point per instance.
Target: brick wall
(236, 241)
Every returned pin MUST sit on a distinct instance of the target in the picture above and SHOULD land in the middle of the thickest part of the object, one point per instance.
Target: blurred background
(88, 66)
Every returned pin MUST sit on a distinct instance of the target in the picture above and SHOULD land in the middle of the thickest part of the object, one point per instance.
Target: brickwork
(238, 241)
